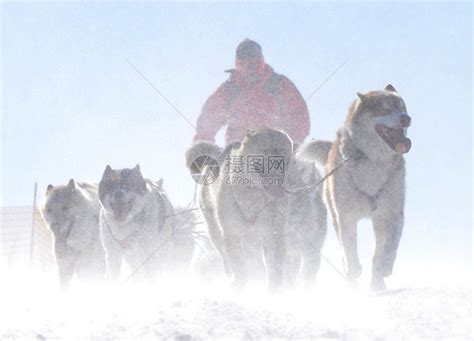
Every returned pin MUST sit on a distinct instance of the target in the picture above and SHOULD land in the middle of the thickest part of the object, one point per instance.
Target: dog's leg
(215, 234)
(208, 210)
(92, 265)
(328, 200)
(275, 251)
(66, 262)
(311, 248)
(311, 263)
(312, 251)
(66, 269)
(233, 245)
(145, 269)
(100, 261)
(114, 263)
(252, 252)
(113, 251)
(348, 239)
(388, 230)
(292, 269)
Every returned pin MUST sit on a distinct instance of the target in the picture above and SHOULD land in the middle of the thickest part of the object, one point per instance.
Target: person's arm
(213, 115)
(294, 111)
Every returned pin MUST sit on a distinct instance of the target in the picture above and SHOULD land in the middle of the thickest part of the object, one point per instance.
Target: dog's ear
(107, 172)
(137, 171)
(361, 96)
(160, 183)
(71, 185)
(390, 88)
(228, 150)
(49, 188)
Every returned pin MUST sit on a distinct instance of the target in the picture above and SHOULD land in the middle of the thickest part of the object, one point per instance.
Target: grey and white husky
(256, 224)
(371, 183)
(72, 214)
(138, 225)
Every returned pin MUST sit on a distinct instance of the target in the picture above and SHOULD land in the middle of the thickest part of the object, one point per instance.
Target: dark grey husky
(137, 219)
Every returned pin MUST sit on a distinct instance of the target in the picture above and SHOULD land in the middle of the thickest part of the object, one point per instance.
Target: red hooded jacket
(263, 100)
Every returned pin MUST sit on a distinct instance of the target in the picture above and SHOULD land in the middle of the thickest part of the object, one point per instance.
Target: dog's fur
(372, 182)
(248, 220)
(137, 219)
(72, 214)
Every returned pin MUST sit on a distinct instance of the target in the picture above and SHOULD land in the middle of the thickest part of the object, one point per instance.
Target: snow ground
(431, 299)
(210, 311)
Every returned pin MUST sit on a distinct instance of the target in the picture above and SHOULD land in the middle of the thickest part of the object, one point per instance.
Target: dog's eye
(379, 113)
(65, 208)
(400, 106)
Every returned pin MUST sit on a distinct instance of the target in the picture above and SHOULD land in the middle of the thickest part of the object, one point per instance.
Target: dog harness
(251, 220)
(372, 199)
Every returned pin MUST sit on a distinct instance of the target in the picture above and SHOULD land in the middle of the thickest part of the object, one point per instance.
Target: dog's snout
(405, 120)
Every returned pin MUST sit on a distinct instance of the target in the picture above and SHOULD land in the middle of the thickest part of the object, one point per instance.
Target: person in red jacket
(253, 97)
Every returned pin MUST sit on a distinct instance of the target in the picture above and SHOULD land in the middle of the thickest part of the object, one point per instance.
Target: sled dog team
(263, 201)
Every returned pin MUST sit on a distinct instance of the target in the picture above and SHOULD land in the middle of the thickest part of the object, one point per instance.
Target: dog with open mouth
(370, 178)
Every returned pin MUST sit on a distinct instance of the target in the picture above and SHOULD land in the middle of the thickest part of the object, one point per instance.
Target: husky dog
(370, 182)
(247, 208)
(72, 214)
(137, 219)
(307, 220)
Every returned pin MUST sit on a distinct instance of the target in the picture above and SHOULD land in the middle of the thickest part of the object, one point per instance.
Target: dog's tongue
(403, 146)
(395, 138)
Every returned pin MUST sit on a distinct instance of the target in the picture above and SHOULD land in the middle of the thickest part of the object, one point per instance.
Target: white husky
(72, 214)
(256, 224)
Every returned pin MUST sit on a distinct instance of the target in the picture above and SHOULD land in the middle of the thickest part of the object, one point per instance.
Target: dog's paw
(237, 285)
(378, 284)
(353, 272)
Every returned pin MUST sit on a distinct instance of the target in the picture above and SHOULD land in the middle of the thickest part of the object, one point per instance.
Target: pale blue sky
(72, 104)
